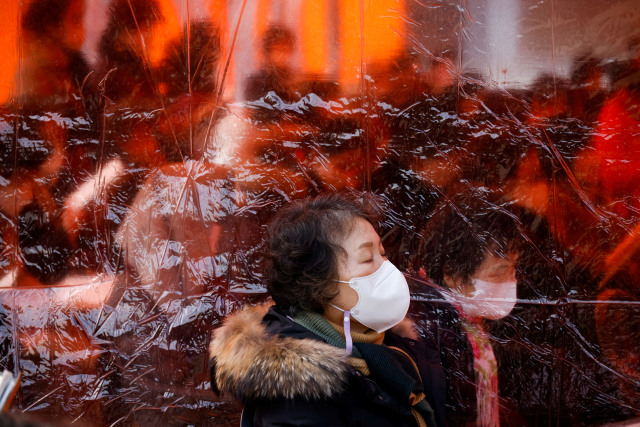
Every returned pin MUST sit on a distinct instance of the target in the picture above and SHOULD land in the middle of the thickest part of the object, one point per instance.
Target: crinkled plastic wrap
(146, 144)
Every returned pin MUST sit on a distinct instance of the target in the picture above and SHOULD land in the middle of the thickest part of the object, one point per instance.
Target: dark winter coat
(545, 374)
(286, 375)
(439, 322)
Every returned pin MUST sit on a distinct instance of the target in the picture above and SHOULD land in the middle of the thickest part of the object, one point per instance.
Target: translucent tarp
(145, 145)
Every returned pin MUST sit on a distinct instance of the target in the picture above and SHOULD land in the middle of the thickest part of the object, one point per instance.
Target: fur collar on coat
(250, 364)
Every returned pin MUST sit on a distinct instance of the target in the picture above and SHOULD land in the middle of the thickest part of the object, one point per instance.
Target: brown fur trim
(251, 365)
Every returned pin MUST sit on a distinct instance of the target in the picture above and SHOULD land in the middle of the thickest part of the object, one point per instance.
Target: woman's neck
(336, 316)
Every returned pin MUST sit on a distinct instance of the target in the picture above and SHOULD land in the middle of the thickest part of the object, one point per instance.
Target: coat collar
(251, 363)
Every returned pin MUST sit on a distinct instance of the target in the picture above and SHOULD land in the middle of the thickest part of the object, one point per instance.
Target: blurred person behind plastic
(588, 88)
(47, 140)
(425, 133)
(53, 79)
(128, 84)
(467, 258)
(177, 239)
(54, 70)
(126, 87)
(609, 168)
(277, 129)
(614, 158)
(472, 242)
(545, 173)
(123, 73)
(178, 245)
(178, 131)
(275, 75)
(48, 145)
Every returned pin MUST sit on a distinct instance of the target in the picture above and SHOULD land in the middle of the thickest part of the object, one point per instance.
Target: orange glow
(218, 11)
(8, 47)
(383, 34)
(164, 32)
(261, 23)
(314, 25)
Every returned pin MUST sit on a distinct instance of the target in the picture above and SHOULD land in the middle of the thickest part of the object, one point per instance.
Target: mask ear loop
(347, 332)
(346, 325)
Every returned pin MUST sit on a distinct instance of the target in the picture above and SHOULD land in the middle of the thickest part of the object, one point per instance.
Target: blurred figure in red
(123, 73)
(53, 70)
(612, 168)
(191, 62)
(588, 89)
(610, 171)
(127, 82)
(37, 142)
(545, 176)
(275, 75)
(189, 77)
(129, 104)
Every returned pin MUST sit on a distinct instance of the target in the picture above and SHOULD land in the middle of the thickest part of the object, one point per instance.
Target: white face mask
(489, 300)
(383, 298)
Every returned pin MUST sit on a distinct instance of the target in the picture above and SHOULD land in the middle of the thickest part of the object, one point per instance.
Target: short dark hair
(125, 15)
(302, 250)
(462, 229)
(42, 16)
(275, 35)
(199, 46)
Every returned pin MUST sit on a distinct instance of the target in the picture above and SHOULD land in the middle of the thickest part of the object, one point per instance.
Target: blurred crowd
(149, 175)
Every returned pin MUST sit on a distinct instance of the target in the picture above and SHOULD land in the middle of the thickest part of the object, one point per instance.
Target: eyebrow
(501, 265)
(365, 244)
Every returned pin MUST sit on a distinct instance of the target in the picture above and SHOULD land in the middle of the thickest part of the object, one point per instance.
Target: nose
(380, 259)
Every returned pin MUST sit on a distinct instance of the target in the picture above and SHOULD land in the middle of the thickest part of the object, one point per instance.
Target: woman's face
(363, 255)
(497, 269)
(491, 291)
(494, 269)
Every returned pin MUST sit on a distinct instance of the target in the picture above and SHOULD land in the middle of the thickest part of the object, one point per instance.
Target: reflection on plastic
(145, 145)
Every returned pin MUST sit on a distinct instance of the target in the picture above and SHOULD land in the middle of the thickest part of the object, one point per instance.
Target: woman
(468, 258)
(325, 354)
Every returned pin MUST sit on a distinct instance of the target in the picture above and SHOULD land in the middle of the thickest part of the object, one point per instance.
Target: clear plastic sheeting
(146, 144)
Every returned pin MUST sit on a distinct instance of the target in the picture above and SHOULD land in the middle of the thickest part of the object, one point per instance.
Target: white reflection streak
(8, 279)
(503, 18)
(91, 188)
(42, 398)
(229, 131)
(224, 75)
(540, 301)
